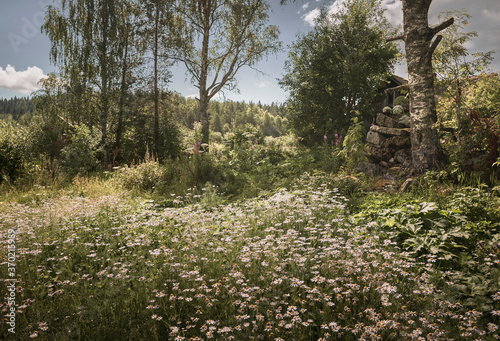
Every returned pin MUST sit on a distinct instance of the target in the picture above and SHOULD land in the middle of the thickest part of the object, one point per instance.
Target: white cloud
(336, 6)
(303, 8)
(23, 81)
(393, 12)
(491, 14)
(311, 16)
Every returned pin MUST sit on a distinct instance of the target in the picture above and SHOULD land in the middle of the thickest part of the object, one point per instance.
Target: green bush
(398, 110)
(402, 101)
(12, 148)
(353, 144)
(138, 137)
(173, 175)
(80, 156)
(170, 139)
(144, 176)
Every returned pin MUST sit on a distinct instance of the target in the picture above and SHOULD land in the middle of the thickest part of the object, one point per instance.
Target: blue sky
(24, 53)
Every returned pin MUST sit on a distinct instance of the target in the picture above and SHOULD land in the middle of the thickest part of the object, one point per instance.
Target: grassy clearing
(295, 264)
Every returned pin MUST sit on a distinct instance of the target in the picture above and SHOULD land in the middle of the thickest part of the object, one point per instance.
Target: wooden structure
(393, 90)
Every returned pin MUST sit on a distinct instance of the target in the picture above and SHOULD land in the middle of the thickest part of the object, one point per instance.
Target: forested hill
(14, 108)
(226, 115)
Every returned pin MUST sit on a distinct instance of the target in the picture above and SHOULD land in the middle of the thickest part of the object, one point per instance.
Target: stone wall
(388, 144)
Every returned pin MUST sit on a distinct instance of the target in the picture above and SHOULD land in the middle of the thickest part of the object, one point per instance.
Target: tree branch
(240, 41)
(442, 26)
(398, 37)
(434, 45)
(396, 88)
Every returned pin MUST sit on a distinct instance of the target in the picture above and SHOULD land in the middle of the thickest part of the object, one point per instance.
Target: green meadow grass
(292, 265)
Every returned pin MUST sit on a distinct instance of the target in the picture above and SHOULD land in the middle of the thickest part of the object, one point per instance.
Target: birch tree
(216, 38)
(156, 36)
(454, 65)
(420, 43)
(84, 35)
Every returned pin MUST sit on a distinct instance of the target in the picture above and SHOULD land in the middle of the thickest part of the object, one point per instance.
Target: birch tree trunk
(121, 104)
(419, 45)
(104, 61)
(207, 11)
(156, 90)
(204, 116)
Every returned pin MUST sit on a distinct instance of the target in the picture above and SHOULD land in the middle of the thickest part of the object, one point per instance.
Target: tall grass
(295, 264)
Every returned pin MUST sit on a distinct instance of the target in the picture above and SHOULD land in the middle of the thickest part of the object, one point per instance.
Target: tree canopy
(87, 43)
(334, 72)
(454, 65)
(217, 39)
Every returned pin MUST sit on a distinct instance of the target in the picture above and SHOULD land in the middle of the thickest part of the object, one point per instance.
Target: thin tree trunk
(123, 94)
(204, 99)
(104, 80)
(156, 92)
(458, 102)
(204, 117)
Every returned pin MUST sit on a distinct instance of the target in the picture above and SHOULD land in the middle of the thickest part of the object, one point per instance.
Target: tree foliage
(155, 32)
(482, 101)
(484, 96)
(216, 38)
(80, 156)
(451, 60)
(335, 70)
(12, 150)
(454, 65)
(87, 43)
(15, 108)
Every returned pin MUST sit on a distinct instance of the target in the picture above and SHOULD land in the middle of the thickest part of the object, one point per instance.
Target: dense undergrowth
(264, 252)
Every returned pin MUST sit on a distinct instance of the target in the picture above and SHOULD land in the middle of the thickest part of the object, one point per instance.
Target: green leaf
(442, 222)
(435, 250)
(390, 223)
(428, 207)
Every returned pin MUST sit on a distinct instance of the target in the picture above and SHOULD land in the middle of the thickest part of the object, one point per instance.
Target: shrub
(138, 136)
(353, 145)
(80, 156)
(144, 176)
(46, 137)
(402, 101)
(12, 146)
(202, 169)
(286, 140)
(170, 139)
(398, 110)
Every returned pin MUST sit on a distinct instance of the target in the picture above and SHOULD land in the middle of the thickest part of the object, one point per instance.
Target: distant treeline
(226, 116)
(229, 116)
(14, 108)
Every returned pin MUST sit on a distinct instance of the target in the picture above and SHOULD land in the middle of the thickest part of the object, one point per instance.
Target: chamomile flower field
(296, 264)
